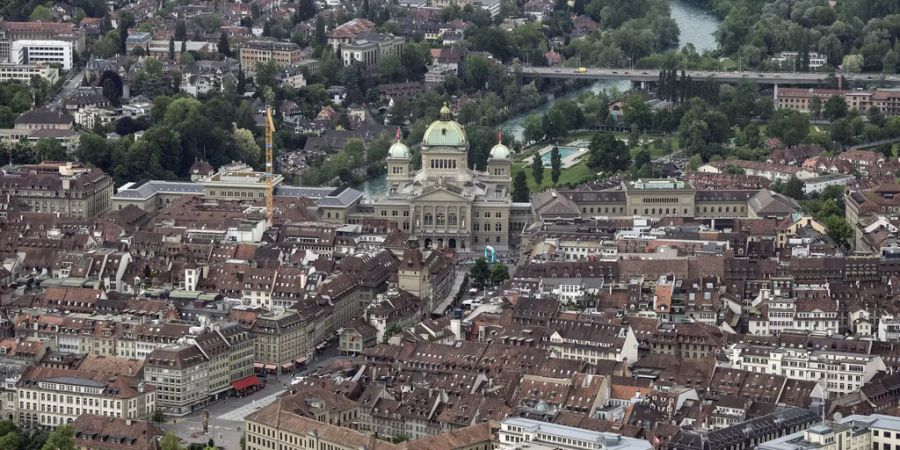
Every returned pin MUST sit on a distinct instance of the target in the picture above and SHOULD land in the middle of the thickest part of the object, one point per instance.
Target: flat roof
(609, 440)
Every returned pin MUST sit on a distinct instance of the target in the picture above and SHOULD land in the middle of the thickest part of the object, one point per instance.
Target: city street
(226, 417)
(73, 80)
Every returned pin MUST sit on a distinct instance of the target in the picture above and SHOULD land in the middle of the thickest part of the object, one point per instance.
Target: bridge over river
(651, 75)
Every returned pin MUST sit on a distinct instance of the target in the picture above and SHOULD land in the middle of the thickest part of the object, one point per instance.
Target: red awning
(245, 383)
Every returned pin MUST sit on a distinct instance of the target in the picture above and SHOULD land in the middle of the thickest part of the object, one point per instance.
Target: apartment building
(888, 328)
(282, 53)
(843, 372)
(282, 340)
(66, 188)
(42, 52)
(592, 342)
(229, 350)
(779, 314)
(24, 72)
(181, 376)
(49, 397)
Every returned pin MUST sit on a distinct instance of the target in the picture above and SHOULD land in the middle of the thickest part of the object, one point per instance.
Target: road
(652, 75)
(226, 417)
(73, 81)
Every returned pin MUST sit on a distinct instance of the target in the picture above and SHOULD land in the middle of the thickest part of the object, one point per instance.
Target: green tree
(533, 129)
(390, 68)
(520, 192)
(60, 439)
(40, 12)
(499, 273)
(246, 146)
(479, 273)
(815, 107)
(841, 131)
(49, 149)
(853, 63)
(40, 89)
(537, 170)
(224, 47)
(636, 111)
(608, 153)
(126, 21)
(111, 91)
(890, 62)
(306, 9)
(790, 126)
(793, 188)
(180, 31)
(319, 36)
(634, 136)
(835, 107)
(170, 442)
(839, 230)
(555, 164)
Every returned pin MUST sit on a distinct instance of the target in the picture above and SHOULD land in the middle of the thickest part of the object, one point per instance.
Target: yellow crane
(270, 201)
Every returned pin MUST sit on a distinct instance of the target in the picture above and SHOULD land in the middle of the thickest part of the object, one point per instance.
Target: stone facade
(446, 204)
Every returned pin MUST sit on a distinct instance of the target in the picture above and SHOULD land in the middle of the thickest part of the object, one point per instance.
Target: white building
(24, 72)
(51, 397)
(49, 52)
(818, 184)
(816, 60)
(856, 432)
(843, 372)
(520, 433)
(773, 315)
(889, 328)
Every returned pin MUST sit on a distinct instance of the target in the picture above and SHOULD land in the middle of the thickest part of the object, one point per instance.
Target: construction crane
(270, 201)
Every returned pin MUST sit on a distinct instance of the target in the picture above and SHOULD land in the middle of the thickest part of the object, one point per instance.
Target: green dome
(447, 133)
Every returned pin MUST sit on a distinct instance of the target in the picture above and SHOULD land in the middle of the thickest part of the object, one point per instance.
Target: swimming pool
(563, 153)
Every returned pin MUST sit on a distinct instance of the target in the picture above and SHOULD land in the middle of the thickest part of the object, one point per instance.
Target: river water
(696, 26)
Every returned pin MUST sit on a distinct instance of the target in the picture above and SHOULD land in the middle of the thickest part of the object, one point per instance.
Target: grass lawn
(573, 175)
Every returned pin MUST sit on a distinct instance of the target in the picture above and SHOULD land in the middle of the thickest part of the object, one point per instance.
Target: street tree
(480, 273)
(499, 273)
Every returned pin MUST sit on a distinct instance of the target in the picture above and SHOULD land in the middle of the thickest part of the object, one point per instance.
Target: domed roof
(398, 150)
(445, 132)
(500, 151)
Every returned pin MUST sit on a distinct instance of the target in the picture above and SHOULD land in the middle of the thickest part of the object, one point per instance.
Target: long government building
(447, 204)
